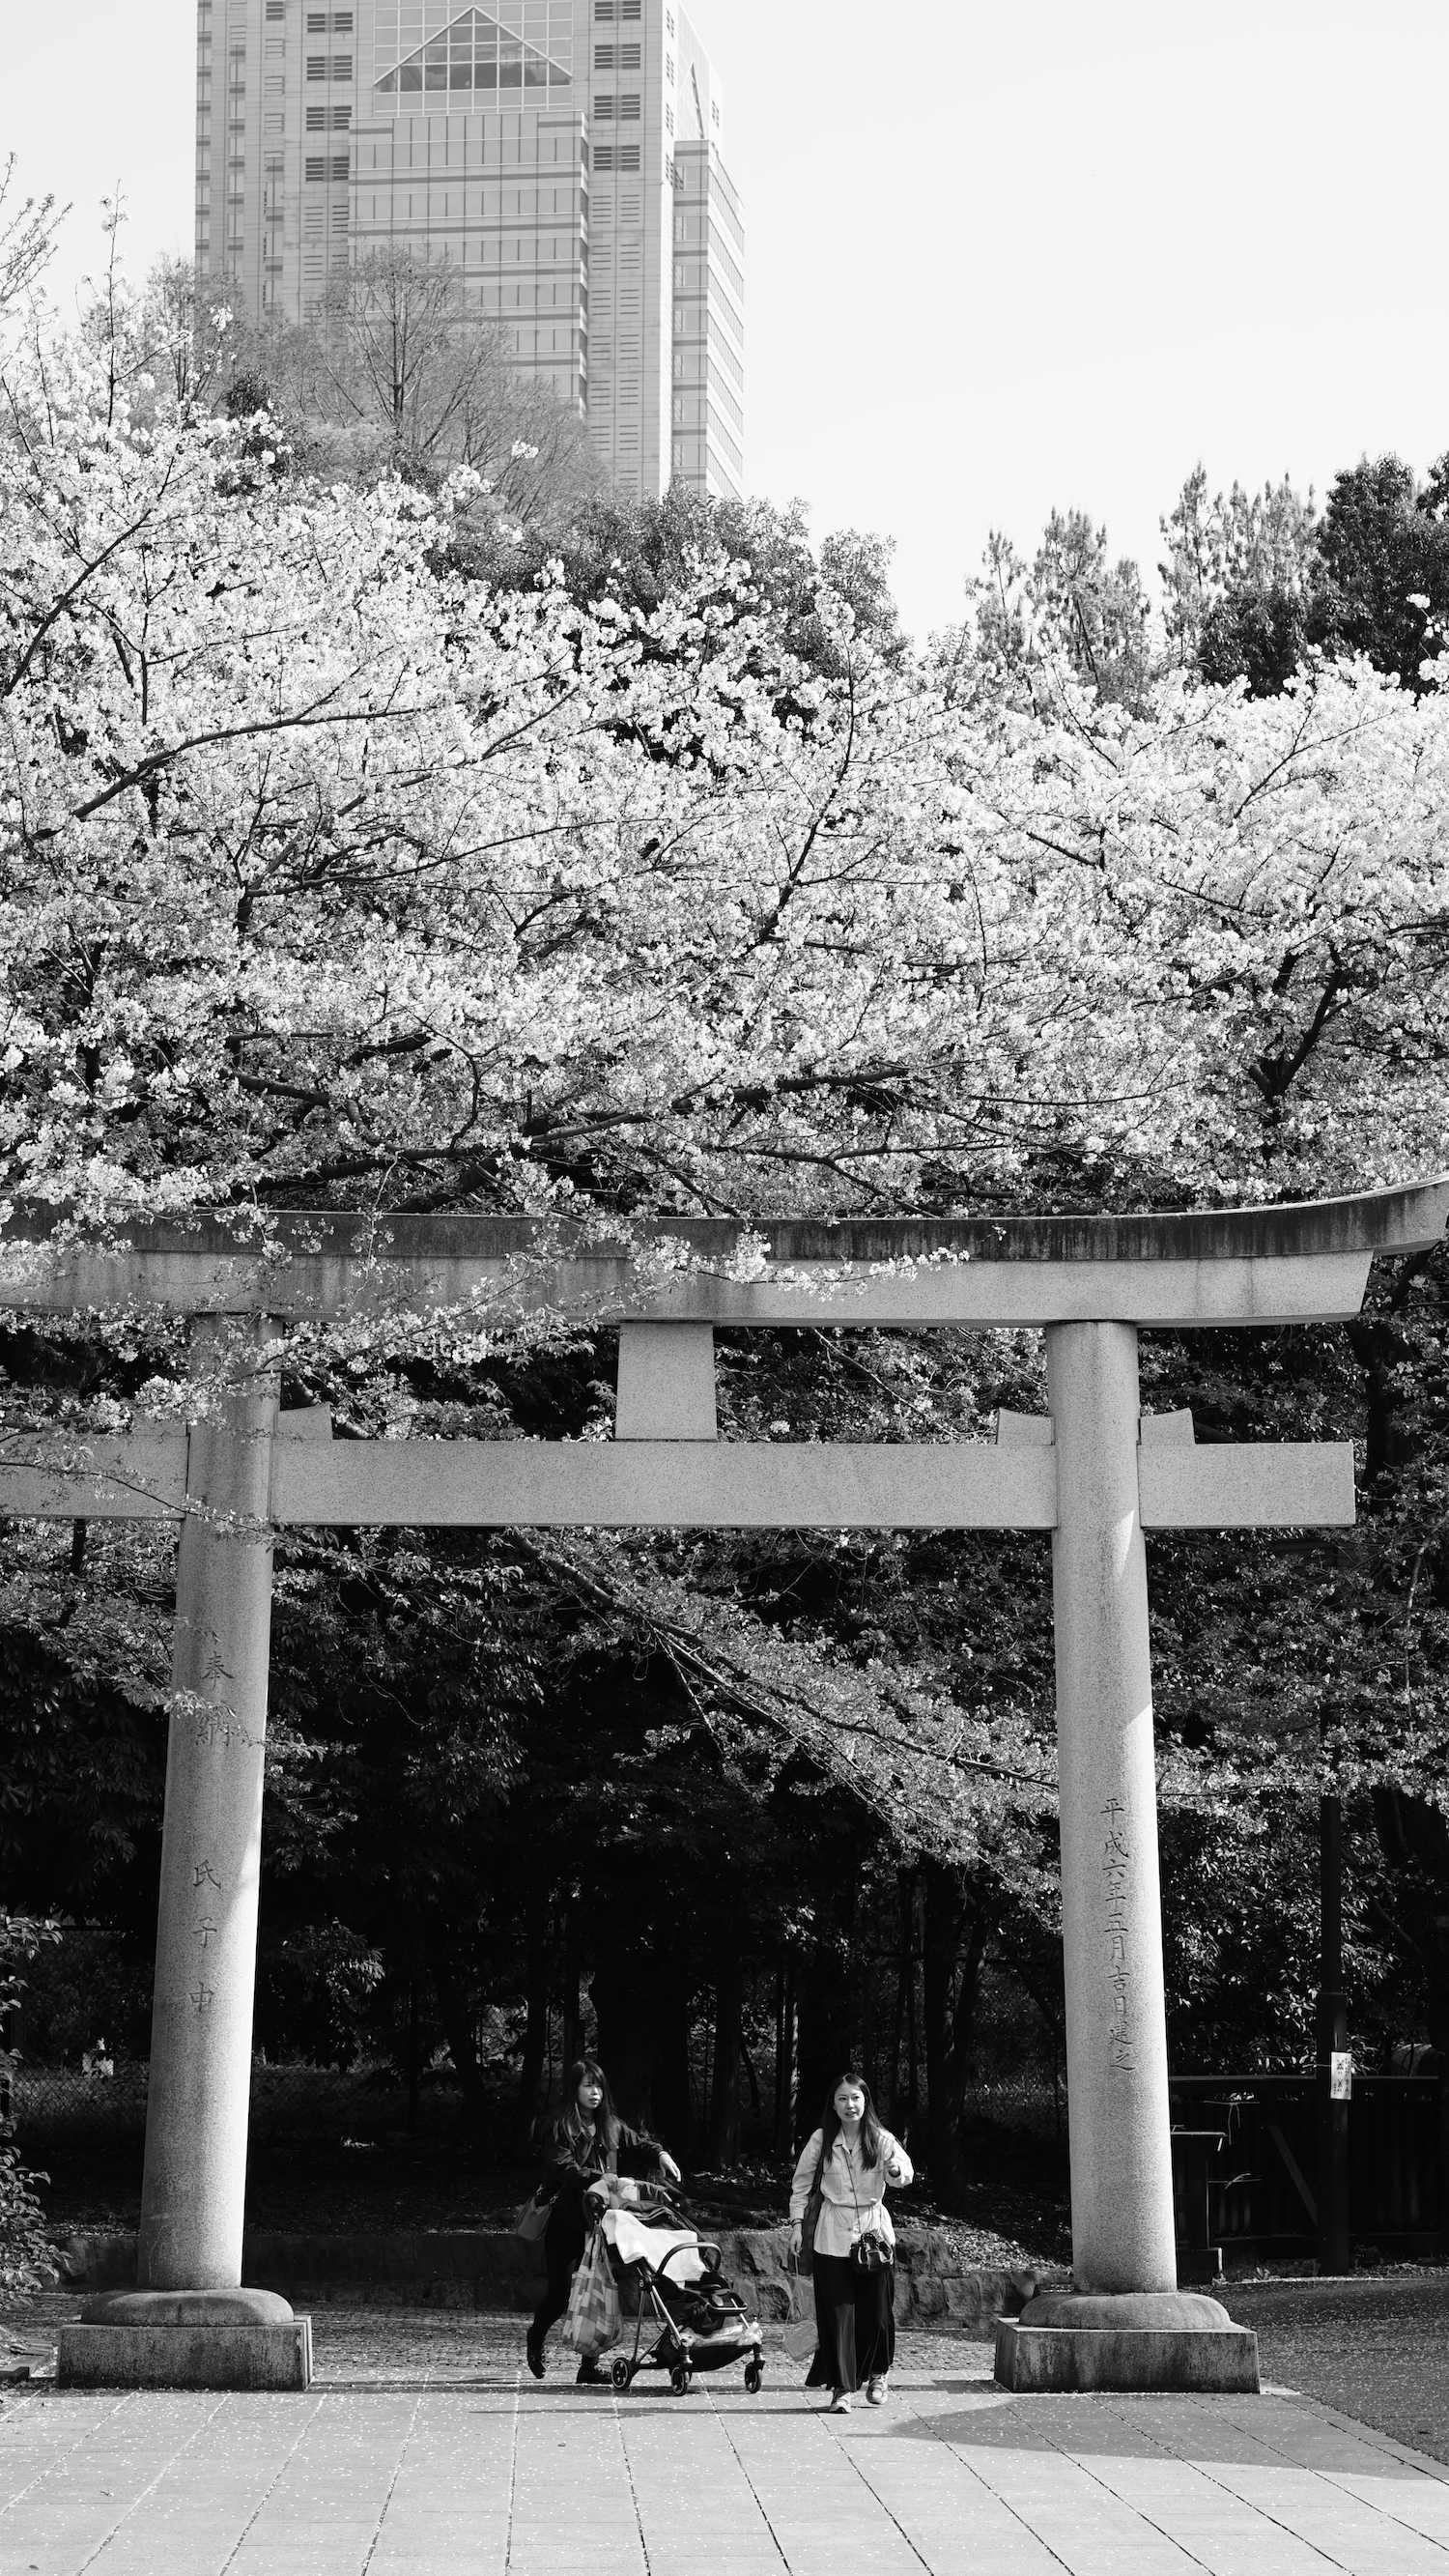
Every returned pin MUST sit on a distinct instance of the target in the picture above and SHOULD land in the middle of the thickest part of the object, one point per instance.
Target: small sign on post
(1340, 2075)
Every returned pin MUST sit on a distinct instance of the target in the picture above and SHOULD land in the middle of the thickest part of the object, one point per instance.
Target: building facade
(566, 156)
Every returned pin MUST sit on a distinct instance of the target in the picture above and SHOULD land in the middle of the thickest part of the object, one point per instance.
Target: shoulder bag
(871, 2249)
(811, 2220)
(533, 2217)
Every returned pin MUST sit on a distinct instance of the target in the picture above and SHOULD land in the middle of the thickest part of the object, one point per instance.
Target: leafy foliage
(341, 864)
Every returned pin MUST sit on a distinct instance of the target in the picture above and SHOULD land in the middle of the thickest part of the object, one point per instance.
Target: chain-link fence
(105, 2105)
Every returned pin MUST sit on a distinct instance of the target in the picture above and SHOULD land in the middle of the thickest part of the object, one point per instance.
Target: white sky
(1001, 255)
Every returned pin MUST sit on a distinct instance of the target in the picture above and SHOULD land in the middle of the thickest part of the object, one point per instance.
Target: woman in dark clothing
(589, 2139)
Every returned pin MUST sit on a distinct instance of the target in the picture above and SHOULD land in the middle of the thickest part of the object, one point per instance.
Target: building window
(604, 107)
(316, 67)
(669, 69)
(603, 156)
(669, 129)
(714, 110)
(628, 156)
(316, 119)
(342, 120)
(603, 9)
(603, 58)
(276, 8)
(630, 106)
(629, 9)
(475, 55)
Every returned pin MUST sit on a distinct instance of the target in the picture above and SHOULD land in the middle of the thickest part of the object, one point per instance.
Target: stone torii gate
(1093, 1471)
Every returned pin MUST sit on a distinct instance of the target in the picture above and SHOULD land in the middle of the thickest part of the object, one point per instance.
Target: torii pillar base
(187, 2339)
(1147, 2340)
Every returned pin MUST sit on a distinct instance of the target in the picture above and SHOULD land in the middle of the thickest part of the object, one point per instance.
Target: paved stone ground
(468, 2469)
(1378, 2348)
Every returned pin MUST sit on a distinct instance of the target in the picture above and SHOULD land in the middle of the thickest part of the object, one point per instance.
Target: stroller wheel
(754, 2376)
(679, 2379)
(620, 2373)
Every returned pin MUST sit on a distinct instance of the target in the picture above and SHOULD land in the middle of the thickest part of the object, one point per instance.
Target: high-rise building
(566, 156)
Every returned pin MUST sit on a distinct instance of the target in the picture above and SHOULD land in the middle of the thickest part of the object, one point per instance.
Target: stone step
(493, 2268)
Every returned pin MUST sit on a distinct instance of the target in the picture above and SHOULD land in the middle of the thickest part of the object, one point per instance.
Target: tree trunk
(898, 2017)
(908, 1938)
(627, 2005)
(824, 2042)
(535, 2034)
(673, 2099)
(963, 2022)
(1414, 1839)
(1378, 1347)
(724, 2108)
(866, 2022)
(785, 2065)
(944, 1924)
(573, 1977)
(457, 2021)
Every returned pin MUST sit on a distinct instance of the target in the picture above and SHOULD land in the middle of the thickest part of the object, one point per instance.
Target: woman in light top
(850, 2158)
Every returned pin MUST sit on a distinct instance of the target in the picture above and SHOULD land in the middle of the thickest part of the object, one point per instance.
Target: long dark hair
(869, 2127)
(570, 2123)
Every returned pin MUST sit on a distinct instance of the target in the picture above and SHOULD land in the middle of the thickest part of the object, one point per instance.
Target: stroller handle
(651, 2195)
(703, 2246)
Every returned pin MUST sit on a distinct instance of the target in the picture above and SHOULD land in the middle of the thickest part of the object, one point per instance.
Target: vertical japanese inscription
(205, 1929)
(1116, 1860)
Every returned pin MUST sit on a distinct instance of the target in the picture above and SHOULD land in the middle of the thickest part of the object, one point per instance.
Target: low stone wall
(492, 2268)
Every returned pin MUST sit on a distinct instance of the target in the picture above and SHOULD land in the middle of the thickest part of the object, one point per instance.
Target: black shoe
(589, 2374)
(533, 2350)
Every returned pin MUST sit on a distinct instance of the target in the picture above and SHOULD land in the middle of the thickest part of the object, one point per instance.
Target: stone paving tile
(452, 2504)
(473, 2471)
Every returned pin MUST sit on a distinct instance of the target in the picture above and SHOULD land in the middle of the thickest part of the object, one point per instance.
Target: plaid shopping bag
(594, 2319)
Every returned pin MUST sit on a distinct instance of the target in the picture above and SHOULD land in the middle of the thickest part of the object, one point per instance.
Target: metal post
(1335, 2249)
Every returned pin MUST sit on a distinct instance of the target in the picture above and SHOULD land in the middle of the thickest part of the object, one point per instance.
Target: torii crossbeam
(1093, 1471)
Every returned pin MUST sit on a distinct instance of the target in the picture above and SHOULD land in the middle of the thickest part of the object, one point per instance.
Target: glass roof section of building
(476, 56)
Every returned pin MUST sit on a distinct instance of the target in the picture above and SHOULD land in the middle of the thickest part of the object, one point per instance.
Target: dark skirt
(856, 2316)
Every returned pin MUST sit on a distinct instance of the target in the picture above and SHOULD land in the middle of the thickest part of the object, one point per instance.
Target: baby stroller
(688, 2317)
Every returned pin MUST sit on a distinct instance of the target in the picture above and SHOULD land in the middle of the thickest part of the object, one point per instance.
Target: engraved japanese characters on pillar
(1116, 1869)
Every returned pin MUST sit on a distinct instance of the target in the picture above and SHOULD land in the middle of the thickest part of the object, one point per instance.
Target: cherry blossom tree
(330, 875)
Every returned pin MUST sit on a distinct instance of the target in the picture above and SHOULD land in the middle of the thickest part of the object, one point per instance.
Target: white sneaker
(840, 2402)
(878, 2390)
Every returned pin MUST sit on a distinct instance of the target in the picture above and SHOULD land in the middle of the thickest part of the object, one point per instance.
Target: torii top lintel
(1294, 1263)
